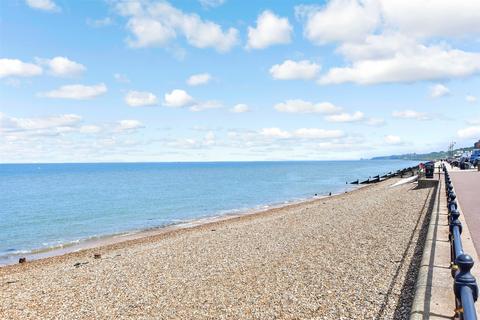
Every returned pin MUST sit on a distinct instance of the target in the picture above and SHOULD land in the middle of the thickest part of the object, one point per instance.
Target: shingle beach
(351, 256)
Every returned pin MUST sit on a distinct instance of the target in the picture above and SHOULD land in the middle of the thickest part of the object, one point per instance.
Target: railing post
(454, 223)
(465, 287)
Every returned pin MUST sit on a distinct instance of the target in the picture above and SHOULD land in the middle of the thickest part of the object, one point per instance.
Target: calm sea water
(46, 205)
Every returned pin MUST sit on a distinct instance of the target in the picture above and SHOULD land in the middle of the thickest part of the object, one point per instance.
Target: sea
(49, 206)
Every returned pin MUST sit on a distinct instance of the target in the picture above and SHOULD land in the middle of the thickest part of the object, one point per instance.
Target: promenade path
(467, 188)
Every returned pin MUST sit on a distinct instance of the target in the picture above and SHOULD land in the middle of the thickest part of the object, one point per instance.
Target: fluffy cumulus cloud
(433, 18)
(62, 66)
(352, 20)
(140, 99)
(199, 79)
(76, 92)
(471, 99)
(178, 99)
(346, 117)
(469, 133)
(339, 20)
(270, 30)
(290, 70)
(302, 106)
(382, 59)
(240, 108)
(18, 68)
(439, 90)
(393, 140)
(158, 23)
(44, 5)
(411, 114)
(394, 41)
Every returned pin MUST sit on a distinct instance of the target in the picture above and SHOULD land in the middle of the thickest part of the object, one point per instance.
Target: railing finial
(464, 277)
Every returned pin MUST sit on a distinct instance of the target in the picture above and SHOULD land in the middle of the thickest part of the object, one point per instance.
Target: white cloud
(290, 70)
(45, 5)
(15, 124)
(210, 138)
(433, 18)
(314, 133)
(393, 140)
(62, 66)
(301, 106)
(121, 78)
(17, 68)
(149, 32)
(140, 99)
(376, 47)
(405, 61)
(469, 133)
(339, 20)
(387, 41)
(470, 98)
(210, 104)
(375, 122)
(178, 99)
(199, 79)
(411, 114)
(346, 117)
(352, 20)
(474, 121)
(270, 30)
(240, 108)
(439, 90)
(211, 3)
(76, 92)
(303, 133)
(90, 129)
(275, 133)
(128, 125)
(157, 23)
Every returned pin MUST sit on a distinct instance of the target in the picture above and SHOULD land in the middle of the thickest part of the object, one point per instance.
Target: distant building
(476, 145)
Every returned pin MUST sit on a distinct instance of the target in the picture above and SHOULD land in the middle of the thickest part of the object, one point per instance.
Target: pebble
(334, 258)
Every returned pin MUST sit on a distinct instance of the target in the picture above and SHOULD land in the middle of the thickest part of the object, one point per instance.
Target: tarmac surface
(467, 189)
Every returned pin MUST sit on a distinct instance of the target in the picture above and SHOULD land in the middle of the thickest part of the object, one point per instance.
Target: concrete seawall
(434, 296)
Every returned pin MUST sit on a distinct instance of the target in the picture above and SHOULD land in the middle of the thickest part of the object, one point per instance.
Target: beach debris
(78, 264)
(213, 230)
(22, 260)
(11, 281)
(404, 181)
(97, 256)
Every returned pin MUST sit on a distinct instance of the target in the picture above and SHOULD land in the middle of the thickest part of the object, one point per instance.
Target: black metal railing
(465, 285)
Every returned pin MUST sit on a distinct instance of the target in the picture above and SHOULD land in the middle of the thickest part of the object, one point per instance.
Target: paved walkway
(467, 188)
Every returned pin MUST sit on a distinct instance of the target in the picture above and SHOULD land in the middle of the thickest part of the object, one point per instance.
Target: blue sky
(214, 80)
